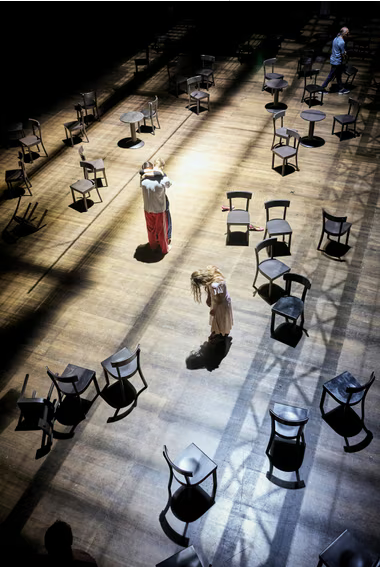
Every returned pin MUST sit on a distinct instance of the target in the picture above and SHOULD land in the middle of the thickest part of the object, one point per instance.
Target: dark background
(52, 49)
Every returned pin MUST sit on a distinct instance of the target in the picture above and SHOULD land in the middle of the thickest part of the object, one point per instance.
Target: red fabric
(157, 231)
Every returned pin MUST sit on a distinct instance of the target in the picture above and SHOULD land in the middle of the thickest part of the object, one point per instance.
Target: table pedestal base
(273, 107)
(312, 141)
(131, 144)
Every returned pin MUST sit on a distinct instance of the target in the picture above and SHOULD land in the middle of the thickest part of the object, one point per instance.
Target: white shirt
(153, 190)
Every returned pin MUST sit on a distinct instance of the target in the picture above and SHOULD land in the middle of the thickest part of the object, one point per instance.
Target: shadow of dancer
(210, 354)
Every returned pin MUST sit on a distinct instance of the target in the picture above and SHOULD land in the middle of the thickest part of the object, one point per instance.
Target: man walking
(336, 61)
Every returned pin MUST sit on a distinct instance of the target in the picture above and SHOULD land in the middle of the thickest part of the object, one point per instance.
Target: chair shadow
(347, 423)
(70, 413)
(8, 408)
(346, 135)
(209, 355)
(263, 292)
(288, 458)
(288, 334)
(280, 248)
(27, 158)
(314, 102)
(146, 130)
(193, 109)
(76, 140)
(144, 253)
(79, 205)
(336, 250)
(113, 394)
(237, 238)
(14, 192)
(289, 169)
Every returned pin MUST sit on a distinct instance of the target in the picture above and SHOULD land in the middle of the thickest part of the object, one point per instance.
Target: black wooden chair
(238, 217)
(18, 175)
(185, 558)
(76, 127)
(37, 413)
(347, 392)
(344, 551)
(334, 226)
(190, 501)
(90, 102)
(207, 70)
(177, 74)
(73, 382)
(310, 85)
(286, 446)
(290, 306)
(270, 268)
(288, 151)
(305, 61)
(32, 140)
(278, 226)
(122, 366)
(195, 94)
(350, 71)
(346, 119)
(269, 75)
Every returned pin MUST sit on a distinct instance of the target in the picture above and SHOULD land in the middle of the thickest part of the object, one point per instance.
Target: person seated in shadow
(58, 544)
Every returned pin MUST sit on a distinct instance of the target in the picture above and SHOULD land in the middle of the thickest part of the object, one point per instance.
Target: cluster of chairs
(178, 75)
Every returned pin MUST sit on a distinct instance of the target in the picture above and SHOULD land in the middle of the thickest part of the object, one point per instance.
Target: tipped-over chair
(34, 139)
(286, 447)
(190, 501)
(150, 112)
(290, 306)
(269, 75)
(346, 551)
(37, 413)
(288, 151)
(346, 119)
(207, 70)
(86, 185)
(270, 268)
(278, 226)
(122, 366)
(195, 94)
(76, 126)
(18, 176)
(238, 217)
(347, 391)
(334, 226)
(90, 102)
(311, 87)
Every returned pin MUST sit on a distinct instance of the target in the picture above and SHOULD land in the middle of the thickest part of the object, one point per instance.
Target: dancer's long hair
(203, 278)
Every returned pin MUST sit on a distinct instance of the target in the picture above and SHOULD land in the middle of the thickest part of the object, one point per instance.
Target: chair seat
(278, 226)
(285, 151)
(85, 375)
(98, 164)
(336, 387)
(344, 118)
(146, 112)
(204, 72)
(313, 88)
(238, 217)
(333, 227)
(281, 132)
(73, 125)
(198, 95)
(125, 370)
(83, 185)
(30, 140)
(13, 175)
(289, 413)
(288, 306)
(343, 547)
(271, 76)
(273, 268)
(194, 460)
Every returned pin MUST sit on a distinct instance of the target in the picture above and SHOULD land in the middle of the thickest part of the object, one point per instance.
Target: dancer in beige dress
(213, 282)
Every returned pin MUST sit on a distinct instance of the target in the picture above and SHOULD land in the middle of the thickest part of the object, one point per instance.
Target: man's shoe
(344, 91)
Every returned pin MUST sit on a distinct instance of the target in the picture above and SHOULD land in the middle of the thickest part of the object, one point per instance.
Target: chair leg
(273, 160)
(44, 149)
(348, 234)
(254, 281)
(272, 323)
(320, 240)
(72, 193)
(322, 402)
(333, 126)
(290, 241)
(85, 202)
(270, 288)
(214, 485)
(283, 168)
(105, 177)
(97, 190)
(158, 121)
(153, 128)
(71, 138)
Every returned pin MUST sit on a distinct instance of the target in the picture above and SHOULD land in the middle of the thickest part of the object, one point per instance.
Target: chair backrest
(153, 106)
(266, 243)
(79, 109)
(326, 216)
(290, 277)
(277, 116)
(283, 203)
(193, 81)
(300, 423)
(88, 168)
(355, 105)
(123, 361)
(208, 60)
(350, 70)
(239, 195)
(268, 63)
(293, 134)
(310, 73)
(89, 99)
(173, 466)
(57, 379)
(36, 127)
(22, 167)
(351, 390)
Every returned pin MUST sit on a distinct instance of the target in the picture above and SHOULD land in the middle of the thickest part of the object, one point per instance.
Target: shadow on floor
(347, 423)
(210, 354)
(145, 254)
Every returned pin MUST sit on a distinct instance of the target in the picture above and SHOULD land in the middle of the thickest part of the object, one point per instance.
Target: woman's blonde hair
(160, 163)
(203, 278)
